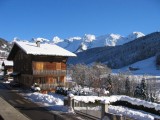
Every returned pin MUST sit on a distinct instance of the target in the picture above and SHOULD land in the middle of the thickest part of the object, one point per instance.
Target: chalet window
(49, 66)
(58, 66)
(39, 65)
(63, 65)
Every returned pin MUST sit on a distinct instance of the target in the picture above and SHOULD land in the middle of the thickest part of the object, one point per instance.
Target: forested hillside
(5, 47)
(123, 55)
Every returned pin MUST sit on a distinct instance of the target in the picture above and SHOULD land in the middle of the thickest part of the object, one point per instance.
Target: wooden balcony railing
(49, 72)
(50, 86)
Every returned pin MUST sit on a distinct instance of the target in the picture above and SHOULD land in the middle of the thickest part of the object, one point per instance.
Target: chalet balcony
(50, 86)
(49, 72)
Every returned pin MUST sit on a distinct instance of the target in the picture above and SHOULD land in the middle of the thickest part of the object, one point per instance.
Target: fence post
(70, 101)
(65, 101)
(104, 109)
(120, 117)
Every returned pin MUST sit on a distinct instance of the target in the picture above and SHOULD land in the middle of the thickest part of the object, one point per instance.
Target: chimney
(38, 43)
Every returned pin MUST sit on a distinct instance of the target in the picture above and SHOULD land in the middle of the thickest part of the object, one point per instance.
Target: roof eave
(9, 56)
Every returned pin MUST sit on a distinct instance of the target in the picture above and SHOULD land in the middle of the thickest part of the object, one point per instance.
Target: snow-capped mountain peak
(56, 40)
(135, 35)
(74, 38)
(107, 40)
(115, 36)
(89, 38)
(78, 44)
(16, 39)
(40, 39)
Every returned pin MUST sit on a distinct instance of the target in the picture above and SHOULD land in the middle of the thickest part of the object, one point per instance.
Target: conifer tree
(143, 88)
(109, 85)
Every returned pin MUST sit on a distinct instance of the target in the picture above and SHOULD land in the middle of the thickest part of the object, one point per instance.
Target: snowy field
(55, 102)
(146, 67)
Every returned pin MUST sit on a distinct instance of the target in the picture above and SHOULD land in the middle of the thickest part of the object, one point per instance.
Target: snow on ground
(1, 73)
(146, 67)
(7, 82)
(51, 101)
(131, 113)
(136, 114)
(55, 102)
(114, 98)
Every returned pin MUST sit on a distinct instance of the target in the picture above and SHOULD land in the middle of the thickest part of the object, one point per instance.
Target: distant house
(2, 58)
(44, 64)
(7, 68)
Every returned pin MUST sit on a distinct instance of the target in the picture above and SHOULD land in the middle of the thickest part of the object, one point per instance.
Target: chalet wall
(47, 71)
(22, 63)
(40, 58)
(45, 82)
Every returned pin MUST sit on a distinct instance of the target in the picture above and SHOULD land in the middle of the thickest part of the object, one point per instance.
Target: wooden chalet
(7, 68)
(44, 64)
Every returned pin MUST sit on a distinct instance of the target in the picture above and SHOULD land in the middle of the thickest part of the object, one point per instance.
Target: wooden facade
(47, 71)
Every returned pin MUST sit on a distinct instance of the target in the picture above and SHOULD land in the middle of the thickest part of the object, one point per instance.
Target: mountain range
(88, 41)
(112, 49)
(122, 55)
(78, 44)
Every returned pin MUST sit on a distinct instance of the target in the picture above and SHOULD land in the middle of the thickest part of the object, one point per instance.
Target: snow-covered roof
(7, 63)
(44, 49)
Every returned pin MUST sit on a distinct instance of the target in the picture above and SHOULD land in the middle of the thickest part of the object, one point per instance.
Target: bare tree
(78, 73)
(89, 75)
(133, 84)
(153, 88)
(98, 70)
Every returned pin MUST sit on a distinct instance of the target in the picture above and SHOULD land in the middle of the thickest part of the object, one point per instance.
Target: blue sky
(28, 19)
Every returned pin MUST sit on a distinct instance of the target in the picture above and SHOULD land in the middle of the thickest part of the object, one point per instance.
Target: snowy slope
(107, 40)
(147, 66)
(78, 44)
